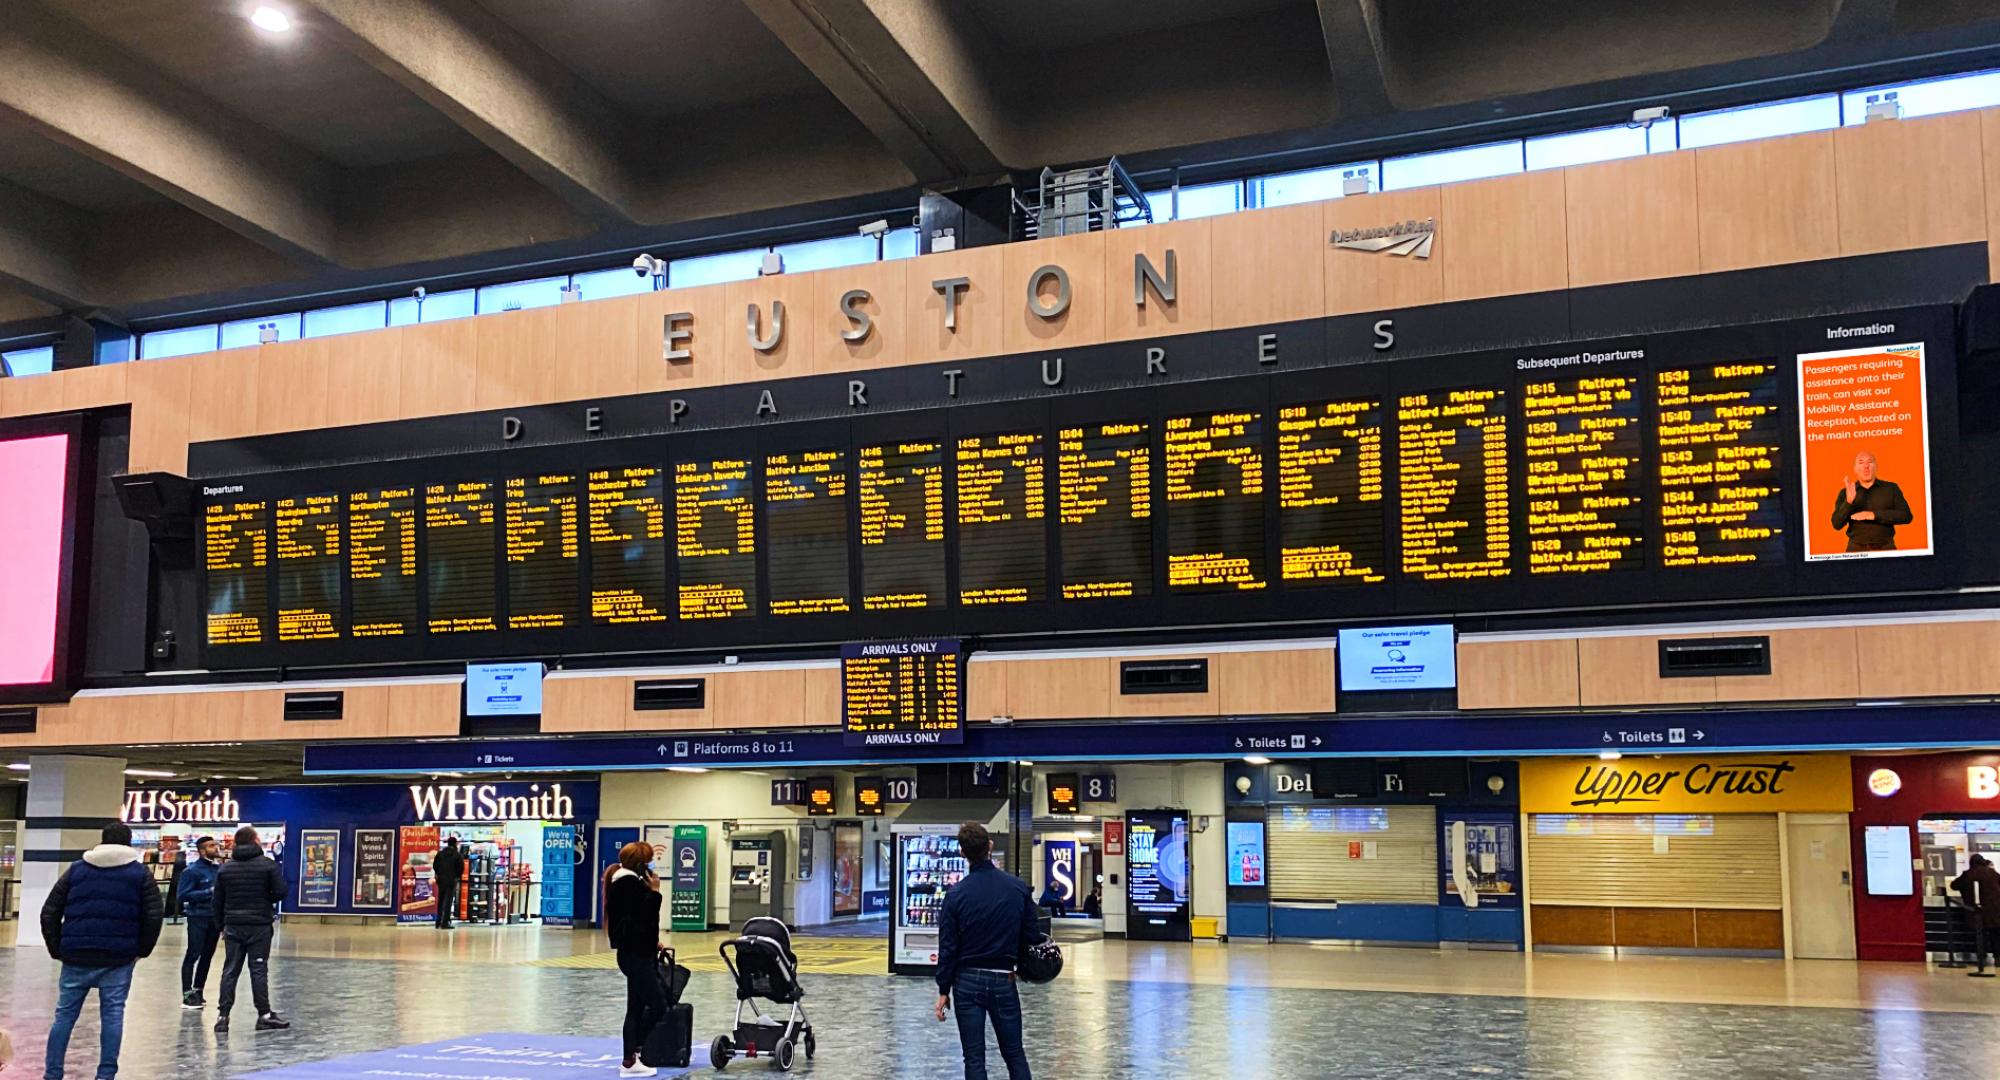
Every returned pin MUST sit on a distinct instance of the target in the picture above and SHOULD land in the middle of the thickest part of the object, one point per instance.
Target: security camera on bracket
(651, 266)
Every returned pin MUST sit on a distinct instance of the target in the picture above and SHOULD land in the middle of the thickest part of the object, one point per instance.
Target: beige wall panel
(887, 307)
(364, 378)
(1193, 309)
(822, 698)
(425, 709)
(93, 387)
(32, 395)
(364, 714)
(1765, 202)
(592, 704)
(1082, 258)
(1168, 704)
(222, 397)
(743, 700)
(1359, 281)
(159, 391)
(596, 344)
(1910, 183)
(981, 305)
(1806, 665)
(707, 342)
(291, 385)
(1989, 128)
(440, 368)
(1631, 220)
(208, 717)
(517, 358)
(792, 355)
(1061, 689)
(1518, 674)
(1626, 671)
(49, 720)
(1919, 659)
(986, 690)
(1267, 266)
(1287, 681)
(1506, 236)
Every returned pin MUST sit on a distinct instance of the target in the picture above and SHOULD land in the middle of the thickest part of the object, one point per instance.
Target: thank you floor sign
(492, 1056)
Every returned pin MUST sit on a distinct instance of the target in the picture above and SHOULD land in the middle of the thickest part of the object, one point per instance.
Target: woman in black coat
(632, 918)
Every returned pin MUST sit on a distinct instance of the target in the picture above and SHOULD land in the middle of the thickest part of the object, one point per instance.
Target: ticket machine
(756, 876)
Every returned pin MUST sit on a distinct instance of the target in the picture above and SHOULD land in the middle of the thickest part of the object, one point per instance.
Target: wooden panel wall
(1921, 659)
(1534, 674)
(1659, 928)
(374, 711)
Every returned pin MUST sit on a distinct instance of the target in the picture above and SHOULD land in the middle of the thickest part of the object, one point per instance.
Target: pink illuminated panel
(33, 478)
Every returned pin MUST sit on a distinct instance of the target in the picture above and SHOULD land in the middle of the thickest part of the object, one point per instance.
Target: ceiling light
(271, 20)
(155, 773)
(18, 766)
(1609, 755)
(686, 768)
(1028, 763)
(1256, 759)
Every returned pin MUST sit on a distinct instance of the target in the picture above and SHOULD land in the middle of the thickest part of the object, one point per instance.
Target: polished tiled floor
(1120, 1010)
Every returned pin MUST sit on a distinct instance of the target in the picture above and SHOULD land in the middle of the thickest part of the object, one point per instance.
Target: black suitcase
(671, 1042)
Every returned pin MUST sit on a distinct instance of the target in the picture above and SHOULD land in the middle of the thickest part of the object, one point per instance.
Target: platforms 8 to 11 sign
(903, 693)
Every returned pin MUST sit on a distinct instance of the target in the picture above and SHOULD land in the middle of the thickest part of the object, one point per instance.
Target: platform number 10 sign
(1100, 788)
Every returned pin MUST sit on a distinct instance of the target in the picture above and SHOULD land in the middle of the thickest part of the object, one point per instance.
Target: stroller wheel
(782, 1055)
(719, 1052)
(810, 1046)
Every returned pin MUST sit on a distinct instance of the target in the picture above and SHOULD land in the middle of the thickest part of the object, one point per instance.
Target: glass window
(236, 335)
(1207, 200)
(347, 319)
(38, 361)
(715, 269)
(1928, 98)
(516, 295)
(1451, 166)
(1161, 203)
(617, 281)
(1584, 147)
(899, 244)
(161, 344)
(1760, 121)
(1312, 185)
(828, 254)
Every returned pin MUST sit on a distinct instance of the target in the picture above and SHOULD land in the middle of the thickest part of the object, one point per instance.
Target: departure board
(1451, 455)
(236, 552)
(715, 538)
(306, 543)
(1585, 489)
(902, 693)
(1002, 491)
(1331, 500)
(625, 519)
(1104, 499)
(458, 566)
(902, 525)
(544, 550)
(382, 561)
(1720, 439)
(805, 521)
(1215, 502)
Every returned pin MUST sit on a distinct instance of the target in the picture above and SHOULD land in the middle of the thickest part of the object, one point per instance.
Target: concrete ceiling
(159, 158)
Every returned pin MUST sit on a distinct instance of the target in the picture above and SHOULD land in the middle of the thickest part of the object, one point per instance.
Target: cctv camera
(875, 228)
(417, 294)
(647, 266)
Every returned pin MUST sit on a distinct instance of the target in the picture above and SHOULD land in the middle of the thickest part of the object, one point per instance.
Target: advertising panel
(558, 875)
(847, 869)
(503, 689)
(374, 869)
(1157, 875)
(1677, 784)
(1398, 658)
(687, 902)
(1246, 854)
(319, 868)
(1059, 869)
(34, 486)
(416, 891)
(1862, 422)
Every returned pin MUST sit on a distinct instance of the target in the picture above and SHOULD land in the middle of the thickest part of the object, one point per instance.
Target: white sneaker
(637, 1069)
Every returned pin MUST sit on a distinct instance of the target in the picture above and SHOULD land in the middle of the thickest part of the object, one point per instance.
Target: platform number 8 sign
(1102, 787)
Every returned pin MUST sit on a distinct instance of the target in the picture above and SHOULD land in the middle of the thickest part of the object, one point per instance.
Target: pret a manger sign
(1674, 784)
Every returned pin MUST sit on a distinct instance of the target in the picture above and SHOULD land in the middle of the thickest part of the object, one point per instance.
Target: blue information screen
(1398, 658)
(503, 689)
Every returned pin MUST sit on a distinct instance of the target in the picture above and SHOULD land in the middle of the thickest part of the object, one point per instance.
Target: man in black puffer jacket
(100, 919)
(247, 891)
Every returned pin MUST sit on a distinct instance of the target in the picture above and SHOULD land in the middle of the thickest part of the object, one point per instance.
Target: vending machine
(927, 863)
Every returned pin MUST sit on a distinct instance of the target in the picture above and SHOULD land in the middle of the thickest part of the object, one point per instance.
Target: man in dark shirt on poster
(989, 920)
(1869, 508)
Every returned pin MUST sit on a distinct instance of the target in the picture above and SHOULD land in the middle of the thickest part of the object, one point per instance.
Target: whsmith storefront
(1732, 855)
(366, 849)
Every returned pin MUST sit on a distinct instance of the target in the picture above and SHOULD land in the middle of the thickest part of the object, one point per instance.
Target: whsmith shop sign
(413, 803)
(1675, 784)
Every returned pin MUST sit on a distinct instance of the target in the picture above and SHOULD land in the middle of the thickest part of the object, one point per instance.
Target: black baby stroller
(764, 967)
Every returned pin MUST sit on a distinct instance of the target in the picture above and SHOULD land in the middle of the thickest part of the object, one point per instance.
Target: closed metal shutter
(1643, 860)
(1310, 850)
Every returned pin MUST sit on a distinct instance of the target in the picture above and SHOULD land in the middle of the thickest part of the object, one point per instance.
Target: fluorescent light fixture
(1256, 759)
(1027, 763)
(1609, 755)
(686, 768)
(271, 20)
(158, 774)
(17, 766)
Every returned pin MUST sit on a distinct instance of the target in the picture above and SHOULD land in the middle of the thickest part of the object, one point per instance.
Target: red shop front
(1918, 819)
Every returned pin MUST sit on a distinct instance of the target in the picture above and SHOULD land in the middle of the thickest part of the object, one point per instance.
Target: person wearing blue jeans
(196, 890)
(988, 921)
(101, 918)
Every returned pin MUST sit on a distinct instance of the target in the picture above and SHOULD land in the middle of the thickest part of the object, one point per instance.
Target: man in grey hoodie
(103, 915)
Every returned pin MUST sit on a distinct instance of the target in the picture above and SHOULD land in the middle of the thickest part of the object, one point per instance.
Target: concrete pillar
(71, 797)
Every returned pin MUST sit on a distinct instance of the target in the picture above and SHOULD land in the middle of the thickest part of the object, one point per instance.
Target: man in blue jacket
(196, 890)
(103, 915)
(989, 920)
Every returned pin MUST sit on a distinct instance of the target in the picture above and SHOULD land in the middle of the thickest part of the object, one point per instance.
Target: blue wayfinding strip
(1839, 728)
(490, 1056)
